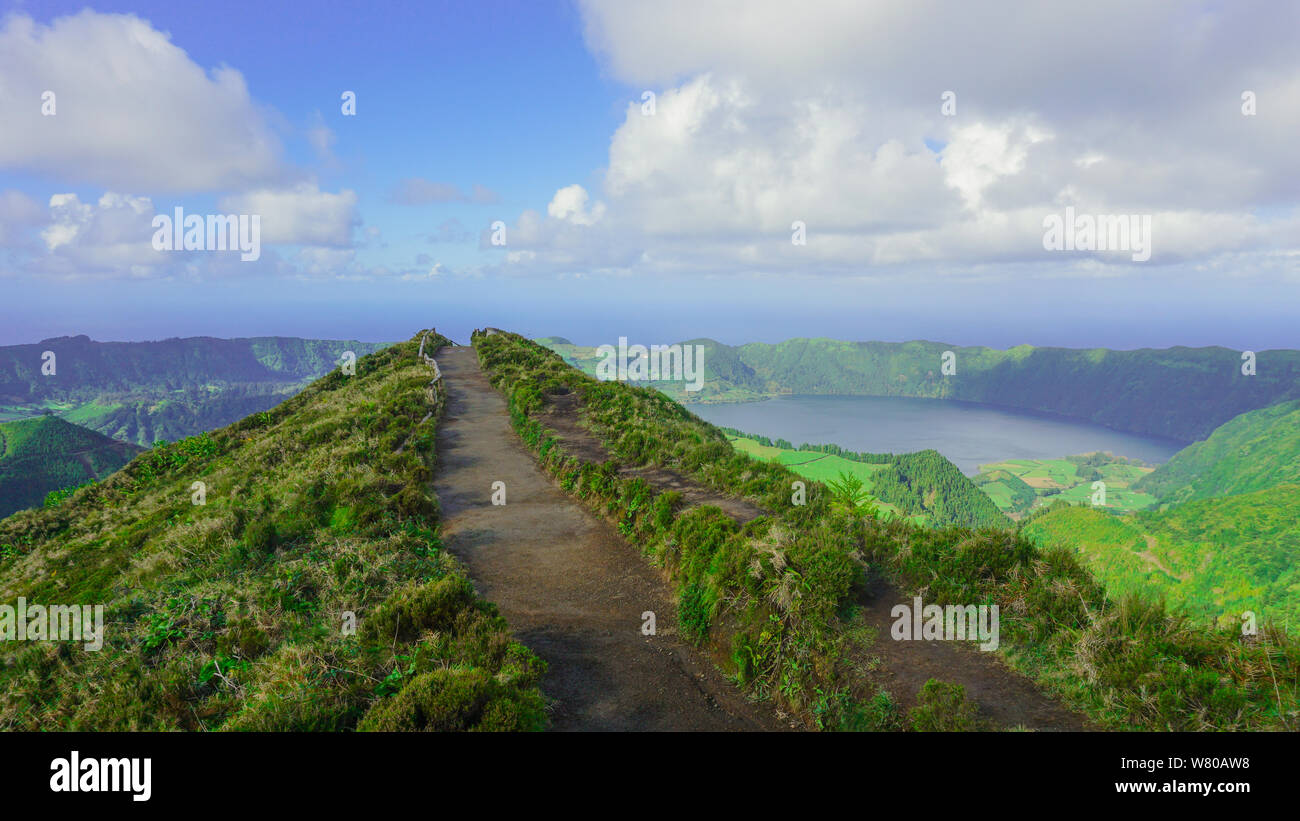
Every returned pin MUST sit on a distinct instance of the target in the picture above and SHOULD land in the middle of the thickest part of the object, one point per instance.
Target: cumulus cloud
(831, 116)
(570, 203)
(111, 236)
(131, 110)
(302, 215)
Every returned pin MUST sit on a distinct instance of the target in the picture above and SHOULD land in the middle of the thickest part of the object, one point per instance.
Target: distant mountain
(1179, 393)
(146, 391)
(1254, 451)
(45, 454)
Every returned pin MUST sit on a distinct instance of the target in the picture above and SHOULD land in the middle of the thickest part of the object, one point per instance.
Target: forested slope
(46, 454)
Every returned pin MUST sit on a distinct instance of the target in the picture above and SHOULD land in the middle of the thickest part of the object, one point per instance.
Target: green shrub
(446, 700)
(942, 707)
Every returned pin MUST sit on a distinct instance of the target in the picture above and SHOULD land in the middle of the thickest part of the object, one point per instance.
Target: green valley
(143, 392)
(1213, 559)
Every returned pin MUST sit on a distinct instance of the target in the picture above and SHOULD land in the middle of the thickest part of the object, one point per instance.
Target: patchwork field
(1018, 486)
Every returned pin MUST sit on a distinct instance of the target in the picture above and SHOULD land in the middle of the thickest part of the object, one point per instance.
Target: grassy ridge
(776, 599)
(235, 614)
(46, 454)
(768, 600)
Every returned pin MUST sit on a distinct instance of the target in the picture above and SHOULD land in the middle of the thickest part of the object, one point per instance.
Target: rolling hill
(45, 454)
(923, 487)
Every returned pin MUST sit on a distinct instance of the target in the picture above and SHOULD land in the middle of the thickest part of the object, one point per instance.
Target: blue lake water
(967, 434)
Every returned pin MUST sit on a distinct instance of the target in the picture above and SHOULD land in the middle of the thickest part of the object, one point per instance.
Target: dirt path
(571, 588)
(1005, 698)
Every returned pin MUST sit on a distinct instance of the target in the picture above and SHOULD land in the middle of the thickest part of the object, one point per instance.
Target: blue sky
(670, 225)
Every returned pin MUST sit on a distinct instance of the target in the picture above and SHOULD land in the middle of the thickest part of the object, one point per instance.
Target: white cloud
(831, 114)
(302, 215)
(109, 237)
(133, 111)
(570, 203)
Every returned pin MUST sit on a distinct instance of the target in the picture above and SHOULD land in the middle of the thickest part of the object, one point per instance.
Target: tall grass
(237, 614)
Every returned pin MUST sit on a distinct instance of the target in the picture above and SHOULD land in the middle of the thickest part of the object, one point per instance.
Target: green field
(823, 467)
(1018, 486)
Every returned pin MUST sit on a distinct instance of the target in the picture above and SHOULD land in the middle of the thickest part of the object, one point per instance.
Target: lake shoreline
(967, 433)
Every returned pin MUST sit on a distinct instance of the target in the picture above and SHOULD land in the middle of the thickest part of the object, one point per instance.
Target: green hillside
(923, 487)
(46, 454)
(776, 599)
(1181, 393)
(1254, 451)
(235, 614)
(1213, 559)
(143, 392)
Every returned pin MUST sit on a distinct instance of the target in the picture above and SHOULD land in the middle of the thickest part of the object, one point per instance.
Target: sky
(596, 169)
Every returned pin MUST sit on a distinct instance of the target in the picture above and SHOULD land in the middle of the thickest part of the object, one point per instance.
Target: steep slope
(1254, 451)
(1212, 559)
(146, 391)
(45, 454)
(310, 590)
